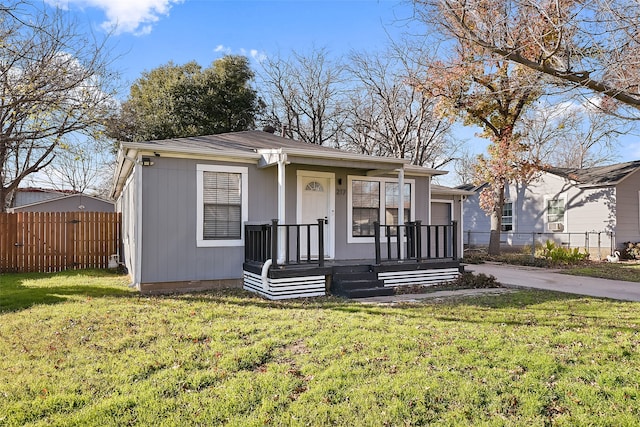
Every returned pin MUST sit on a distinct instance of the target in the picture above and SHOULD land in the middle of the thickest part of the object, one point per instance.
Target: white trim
(447, 201)
(137, 273)
(200, 169)
(282, 206)
(382, 207)
(513, 215)
(330, 246)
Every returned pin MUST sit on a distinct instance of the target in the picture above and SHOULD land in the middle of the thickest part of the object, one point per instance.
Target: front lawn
(94, 353)
(628, 271)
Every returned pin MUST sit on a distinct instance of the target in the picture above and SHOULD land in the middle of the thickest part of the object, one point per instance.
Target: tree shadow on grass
(23, 290)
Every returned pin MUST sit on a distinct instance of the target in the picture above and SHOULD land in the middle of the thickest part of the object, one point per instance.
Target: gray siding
(27, 197)
(628, 210)
(69, 204)
(169, 251)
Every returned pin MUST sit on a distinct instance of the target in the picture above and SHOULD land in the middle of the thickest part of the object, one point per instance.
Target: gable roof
(46, 202)
(598, 175)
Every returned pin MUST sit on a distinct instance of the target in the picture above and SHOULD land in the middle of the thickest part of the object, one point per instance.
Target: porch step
(357, 284)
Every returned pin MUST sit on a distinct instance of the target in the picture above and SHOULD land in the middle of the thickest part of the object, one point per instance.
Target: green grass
(94, 353)
(616, 271)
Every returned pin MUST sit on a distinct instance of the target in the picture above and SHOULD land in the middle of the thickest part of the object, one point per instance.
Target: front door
(316, 201)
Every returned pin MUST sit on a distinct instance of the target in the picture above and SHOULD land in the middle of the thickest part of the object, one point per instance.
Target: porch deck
(349, 278)
(428, 257)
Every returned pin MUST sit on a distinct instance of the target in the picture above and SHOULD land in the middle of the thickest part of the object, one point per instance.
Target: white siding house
(563, 204)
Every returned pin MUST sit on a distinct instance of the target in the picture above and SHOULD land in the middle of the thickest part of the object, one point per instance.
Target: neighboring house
(29, 195)
(597, 202)
(197, 213)
(62, 202)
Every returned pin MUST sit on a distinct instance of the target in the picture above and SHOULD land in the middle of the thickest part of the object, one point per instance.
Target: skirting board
(291, 287)
(418, 277)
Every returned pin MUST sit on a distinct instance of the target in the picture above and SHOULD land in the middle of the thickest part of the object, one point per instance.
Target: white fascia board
(124, 164)
(146, 148)
(414, 170)
(335, 156)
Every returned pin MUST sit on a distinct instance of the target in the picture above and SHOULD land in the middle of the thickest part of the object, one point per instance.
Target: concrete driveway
(542, 278)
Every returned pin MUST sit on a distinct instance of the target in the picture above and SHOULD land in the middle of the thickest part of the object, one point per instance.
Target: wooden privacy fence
(55, 241)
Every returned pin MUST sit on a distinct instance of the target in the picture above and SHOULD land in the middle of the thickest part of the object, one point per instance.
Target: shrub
(561, 255)
(631, 250)
(468, 280)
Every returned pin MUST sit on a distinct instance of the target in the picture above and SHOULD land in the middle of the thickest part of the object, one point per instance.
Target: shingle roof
(598, 175)
(247, 141)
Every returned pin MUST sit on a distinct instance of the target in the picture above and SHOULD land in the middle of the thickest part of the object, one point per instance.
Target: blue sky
(150, 33)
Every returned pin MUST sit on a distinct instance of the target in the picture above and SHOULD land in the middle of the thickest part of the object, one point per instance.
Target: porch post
(282, 158)
(401, 212)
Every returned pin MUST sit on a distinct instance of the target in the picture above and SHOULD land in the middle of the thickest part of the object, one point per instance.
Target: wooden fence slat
(55, 241)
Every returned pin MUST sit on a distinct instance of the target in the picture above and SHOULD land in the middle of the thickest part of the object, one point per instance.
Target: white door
(315, 201)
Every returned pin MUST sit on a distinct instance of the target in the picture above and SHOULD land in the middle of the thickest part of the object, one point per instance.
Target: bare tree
(53, 84)
(389, 116)
(84, 167)
(465, 166)
(570, 135)
(304, 94)
(590, 44)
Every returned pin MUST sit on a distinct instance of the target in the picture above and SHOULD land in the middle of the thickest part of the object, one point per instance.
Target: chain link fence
(598, 244)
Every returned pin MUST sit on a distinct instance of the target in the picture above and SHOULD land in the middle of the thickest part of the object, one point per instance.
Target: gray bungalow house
(599, 202)
(279, 217)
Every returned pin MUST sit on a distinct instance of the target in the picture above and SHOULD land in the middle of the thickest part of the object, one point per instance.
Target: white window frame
(350, 178)
(201, 242)
(546, 212)
(513, 217)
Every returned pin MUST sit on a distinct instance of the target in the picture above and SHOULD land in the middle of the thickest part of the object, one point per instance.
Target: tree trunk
(496, 217)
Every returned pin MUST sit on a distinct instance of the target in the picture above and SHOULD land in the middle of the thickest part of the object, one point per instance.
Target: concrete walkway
(542, 278)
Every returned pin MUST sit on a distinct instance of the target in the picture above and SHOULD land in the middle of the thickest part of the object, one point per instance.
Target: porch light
(146, 161)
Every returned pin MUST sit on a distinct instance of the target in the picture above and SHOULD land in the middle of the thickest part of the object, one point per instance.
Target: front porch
(423, 255)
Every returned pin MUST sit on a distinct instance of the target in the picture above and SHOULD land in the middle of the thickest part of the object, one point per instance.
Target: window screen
(555, 210)
(222, 197)
(366, 207)
(507, 216)
(392, 201)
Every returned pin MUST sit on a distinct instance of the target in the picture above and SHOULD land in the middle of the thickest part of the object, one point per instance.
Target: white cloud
(251, 53)
(222, 48)
(125, 16)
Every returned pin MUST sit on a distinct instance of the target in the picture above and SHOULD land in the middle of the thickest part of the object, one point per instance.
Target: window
(365, 207)
(555, 211)
(375, 199)
(222, 205)
(507, 216)
(392, 201)
(314, 186)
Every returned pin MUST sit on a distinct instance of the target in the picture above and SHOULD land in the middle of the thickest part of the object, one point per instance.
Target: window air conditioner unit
(555, 226)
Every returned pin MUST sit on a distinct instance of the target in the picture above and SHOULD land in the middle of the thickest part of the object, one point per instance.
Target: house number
(341, 192)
